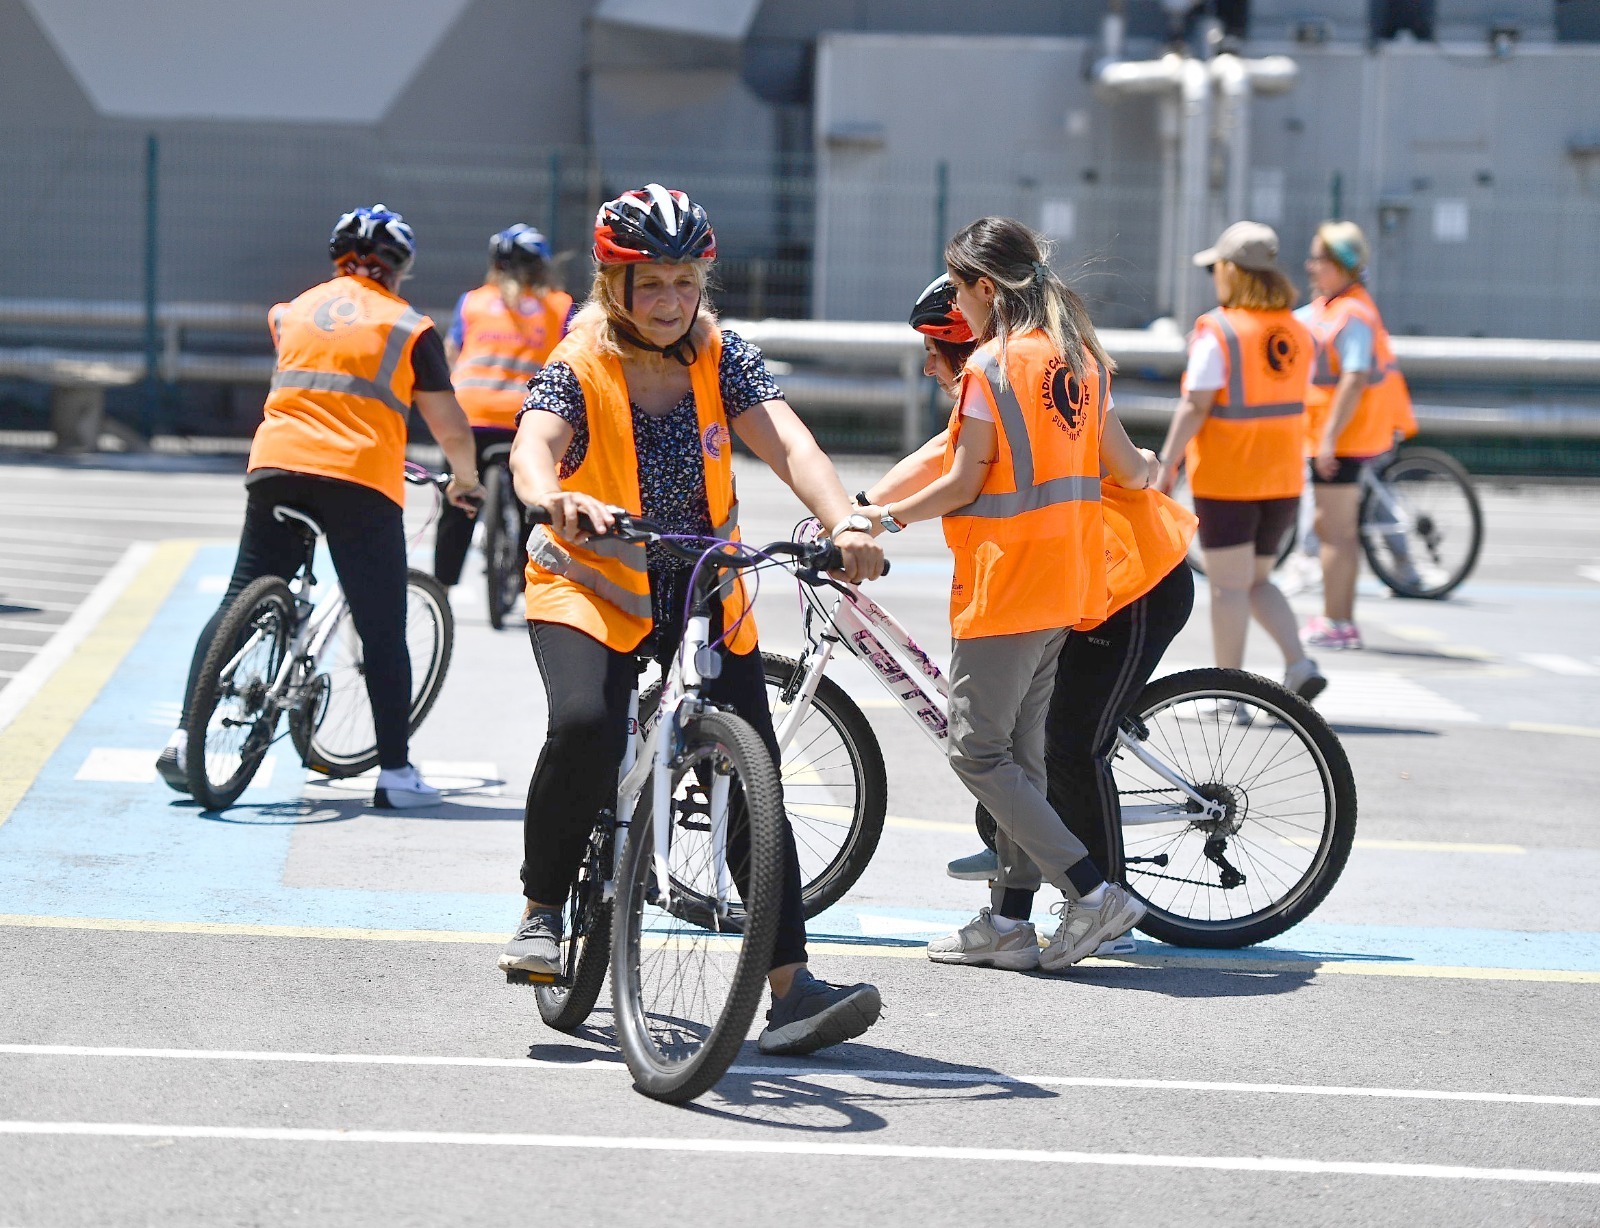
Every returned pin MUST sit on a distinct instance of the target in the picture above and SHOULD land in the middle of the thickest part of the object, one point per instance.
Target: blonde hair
(1346, 245)
(1028, 294)
(604, 309)
(1256, 289)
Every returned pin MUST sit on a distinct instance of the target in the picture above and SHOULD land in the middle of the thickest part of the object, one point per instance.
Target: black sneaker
(815, 1014)
(536, 946)
(170, 766)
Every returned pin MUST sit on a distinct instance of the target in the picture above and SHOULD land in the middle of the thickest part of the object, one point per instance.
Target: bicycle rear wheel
(685, 994)
(503, 555)
(334, 733)
(1421, 525)
(232, 714)
(1287, 808)
(585, 942)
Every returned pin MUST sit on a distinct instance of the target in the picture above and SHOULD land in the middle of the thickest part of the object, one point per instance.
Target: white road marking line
(127, 515)
(1385, 696)
(212, 584)
(28, 648)
(474, 778)
(872, 1151)
(1415, 846)
(124, 766)
(1560, 663)
(1590, 573)
(89, 611)
(11, 582)
(800, 1072)
(1577, 731)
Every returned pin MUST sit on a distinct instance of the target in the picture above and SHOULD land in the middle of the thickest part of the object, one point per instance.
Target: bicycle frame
(876, 638)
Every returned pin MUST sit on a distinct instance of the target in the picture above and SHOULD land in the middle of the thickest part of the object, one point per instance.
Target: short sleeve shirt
(1354, 343)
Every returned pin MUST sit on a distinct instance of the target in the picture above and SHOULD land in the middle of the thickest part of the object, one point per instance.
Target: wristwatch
(854, 521)
(889, 523)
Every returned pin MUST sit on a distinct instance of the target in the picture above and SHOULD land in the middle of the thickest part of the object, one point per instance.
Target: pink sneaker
(1332, 633)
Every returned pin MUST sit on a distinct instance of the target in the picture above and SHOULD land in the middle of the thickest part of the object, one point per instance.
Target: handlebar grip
(541, 515)
(833, 560)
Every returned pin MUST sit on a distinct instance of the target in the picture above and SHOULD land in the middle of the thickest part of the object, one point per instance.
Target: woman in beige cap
(1239, 431)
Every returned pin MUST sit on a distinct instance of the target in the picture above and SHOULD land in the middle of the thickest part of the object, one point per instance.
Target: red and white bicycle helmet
(936, 315)
(652, 223)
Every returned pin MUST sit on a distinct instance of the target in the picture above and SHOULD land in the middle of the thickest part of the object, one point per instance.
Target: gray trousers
(1000, 688)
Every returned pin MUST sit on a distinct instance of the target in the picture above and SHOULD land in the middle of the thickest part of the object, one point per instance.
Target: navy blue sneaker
(815, 1014)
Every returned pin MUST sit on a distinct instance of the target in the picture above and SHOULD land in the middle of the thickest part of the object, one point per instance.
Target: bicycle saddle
(293, 516)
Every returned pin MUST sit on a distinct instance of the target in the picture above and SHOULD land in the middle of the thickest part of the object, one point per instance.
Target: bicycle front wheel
(685, 993)
(232, 714)
(1282, 817)
(1421, 524)
(342, 739)
(503, 555)
(585, 942)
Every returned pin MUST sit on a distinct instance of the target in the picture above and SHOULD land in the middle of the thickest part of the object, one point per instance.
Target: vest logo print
(1282, 350)
(714, 438)
(1063, 397)
(337, 314)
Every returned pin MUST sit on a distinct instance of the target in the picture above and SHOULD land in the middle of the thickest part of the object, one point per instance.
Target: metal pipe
(1193, 165)
(1233, 115)
(1169, 122)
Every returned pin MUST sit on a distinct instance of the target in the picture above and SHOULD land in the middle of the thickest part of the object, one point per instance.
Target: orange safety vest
(1385, 408)
(1147, 535)
(602, 587)
(1250, 445)
(1029, 550)
(342, 391)
(501, 350)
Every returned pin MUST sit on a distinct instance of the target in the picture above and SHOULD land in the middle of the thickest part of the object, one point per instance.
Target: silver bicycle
(1238, 804)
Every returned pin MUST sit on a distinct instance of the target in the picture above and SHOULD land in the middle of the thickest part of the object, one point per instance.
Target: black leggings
(454, 533)
(1098, 681)
(587, 686)
(367, 539)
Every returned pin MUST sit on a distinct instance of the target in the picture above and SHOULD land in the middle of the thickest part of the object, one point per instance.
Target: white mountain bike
(1238, 803)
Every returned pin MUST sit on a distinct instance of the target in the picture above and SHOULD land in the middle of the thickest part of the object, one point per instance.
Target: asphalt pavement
(290, 1012)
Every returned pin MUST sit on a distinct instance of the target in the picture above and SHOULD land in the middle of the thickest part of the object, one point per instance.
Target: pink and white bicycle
(1238, 803)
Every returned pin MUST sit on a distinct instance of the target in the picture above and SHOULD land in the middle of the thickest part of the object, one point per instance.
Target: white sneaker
(979, 942)
(1083, 929)
(1219, 711)
(1300, 573)
(1305, 679)
(404, 789)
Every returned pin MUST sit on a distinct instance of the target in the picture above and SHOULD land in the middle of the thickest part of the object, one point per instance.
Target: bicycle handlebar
(819, 556)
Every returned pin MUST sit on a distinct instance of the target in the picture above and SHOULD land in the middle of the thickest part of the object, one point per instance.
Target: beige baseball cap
(1250, 245)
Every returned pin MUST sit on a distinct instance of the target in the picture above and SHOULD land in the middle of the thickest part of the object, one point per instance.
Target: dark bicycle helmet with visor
(519, 250)
(653, 224)
(373, 233)
(936, 315)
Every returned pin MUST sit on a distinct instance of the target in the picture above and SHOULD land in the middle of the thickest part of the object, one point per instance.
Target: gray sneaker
(979, 943)
(815, 1014)
(979, 868)
(536, 946)
(1082, 929)
(171, 768)
(1305, 679)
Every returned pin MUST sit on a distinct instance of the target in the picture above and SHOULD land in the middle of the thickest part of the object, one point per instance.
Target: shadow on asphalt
(1345, 730)
(305, 811)
(1176, 981)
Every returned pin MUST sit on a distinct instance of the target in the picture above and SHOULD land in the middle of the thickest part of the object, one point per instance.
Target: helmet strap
(682, 351)
(627, 289)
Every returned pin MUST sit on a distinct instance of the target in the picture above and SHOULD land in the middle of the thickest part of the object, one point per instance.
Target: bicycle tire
(586, 941)
(221, 768)
(1452, 483)
(1219, 751)
(646, 939)
(502, 544)
(343, 741)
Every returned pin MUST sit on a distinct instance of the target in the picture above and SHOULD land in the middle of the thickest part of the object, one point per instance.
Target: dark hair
(1028, 294)
(955, 353)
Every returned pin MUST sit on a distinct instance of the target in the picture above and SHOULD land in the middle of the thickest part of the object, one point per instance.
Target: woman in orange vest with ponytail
(634, 409)
(1101, 672)
(1238, 430)
(1019, 495)
(502, 334)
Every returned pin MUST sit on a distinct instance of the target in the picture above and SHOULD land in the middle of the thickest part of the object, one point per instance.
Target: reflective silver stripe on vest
(728, 527)
(1105, 390)
(380, 388)
(338, 381)
(494, 385)
(525, 365)
(1028, 497)
(1236, 410)
(629, 554)
(542, 549)
(277, 320)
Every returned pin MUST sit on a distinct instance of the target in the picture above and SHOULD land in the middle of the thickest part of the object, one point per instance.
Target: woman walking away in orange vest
(1101, 672)
(1238, 430)
(1019, 495)
(1357, 403)
(353, 356)
(502, 334)
(633, 409)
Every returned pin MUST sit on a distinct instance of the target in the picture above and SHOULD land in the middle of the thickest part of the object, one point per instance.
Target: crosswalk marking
(1560, 663)
(125, 766)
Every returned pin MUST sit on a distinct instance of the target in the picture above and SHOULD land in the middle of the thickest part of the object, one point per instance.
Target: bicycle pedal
(517, 976)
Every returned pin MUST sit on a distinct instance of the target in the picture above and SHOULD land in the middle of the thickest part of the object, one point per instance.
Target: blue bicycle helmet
(375, 233)
(519, 249)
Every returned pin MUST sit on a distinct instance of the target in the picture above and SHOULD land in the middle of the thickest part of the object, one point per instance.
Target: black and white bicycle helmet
(519, 249)
(652, 223)
(374, 233)
(936, 315)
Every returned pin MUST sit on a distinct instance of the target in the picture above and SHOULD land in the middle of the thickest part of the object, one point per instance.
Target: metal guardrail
(847, 365)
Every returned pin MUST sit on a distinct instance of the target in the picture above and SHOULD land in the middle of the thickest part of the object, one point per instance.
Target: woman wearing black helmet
(634, 409)
(501, 335)
(352, 358)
